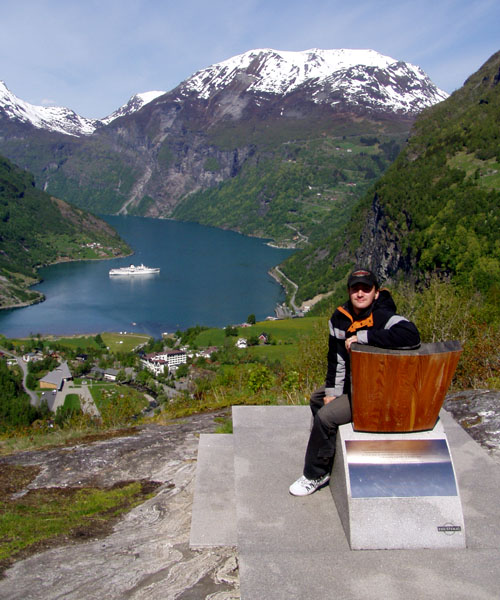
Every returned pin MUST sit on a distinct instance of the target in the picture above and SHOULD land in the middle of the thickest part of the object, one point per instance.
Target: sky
(93, 55)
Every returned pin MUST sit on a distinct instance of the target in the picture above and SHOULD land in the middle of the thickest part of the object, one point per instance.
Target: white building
(32, 357)
(156, 363)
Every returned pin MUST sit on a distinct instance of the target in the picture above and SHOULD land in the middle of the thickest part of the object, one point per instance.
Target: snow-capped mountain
(356, 77)
(64, 120)
(362, 78)
(133, 105)
(152, 153)
(53, 118)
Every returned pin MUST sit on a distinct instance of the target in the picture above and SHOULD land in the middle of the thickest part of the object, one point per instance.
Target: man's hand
(328, 399)
(349, 341)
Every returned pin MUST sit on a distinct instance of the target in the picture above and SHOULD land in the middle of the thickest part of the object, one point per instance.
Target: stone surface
(478, 412)
(213, 521)
(292, 548)
(147, 556)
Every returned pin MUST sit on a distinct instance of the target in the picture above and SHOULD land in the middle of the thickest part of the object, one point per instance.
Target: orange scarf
(355, 325)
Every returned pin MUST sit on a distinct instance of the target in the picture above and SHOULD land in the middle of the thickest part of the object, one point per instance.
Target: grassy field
(281, 352)
(116, 342)
(117, 404)
(286, 331)
(124, 342)
(72, 402)
(488, 170)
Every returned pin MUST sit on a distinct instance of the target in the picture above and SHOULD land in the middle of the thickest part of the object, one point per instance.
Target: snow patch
(65, 120)
(358, 77)
(353, 72)
(53, 118)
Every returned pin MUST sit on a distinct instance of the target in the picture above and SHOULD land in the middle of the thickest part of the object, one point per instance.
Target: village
(61, 380)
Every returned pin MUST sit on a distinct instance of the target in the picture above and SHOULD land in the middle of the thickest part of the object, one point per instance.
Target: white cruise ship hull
(133, 270)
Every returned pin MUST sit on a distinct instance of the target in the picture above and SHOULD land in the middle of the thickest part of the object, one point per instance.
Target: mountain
(133, 105)
(63, 120)
(437, 207)
(37, 229)
(232, 125)
(362, 78)
(54, 119)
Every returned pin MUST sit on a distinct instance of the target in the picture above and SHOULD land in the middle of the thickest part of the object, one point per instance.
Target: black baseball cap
(362, 276)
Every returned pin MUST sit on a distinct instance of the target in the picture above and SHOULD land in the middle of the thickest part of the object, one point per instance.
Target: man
(368, 317)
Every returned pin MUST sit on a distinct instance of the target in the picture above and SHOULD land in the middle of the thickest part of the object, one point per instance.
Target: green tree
(231, 331)
(182, 371)
(122, 376)
(15, 408)
(31, 381)
(143, 377)
(253, 340)
(99, 341)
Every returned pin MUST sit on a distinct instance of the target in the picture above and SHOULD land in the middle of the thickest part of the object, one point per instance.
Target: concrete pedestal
(395, 491)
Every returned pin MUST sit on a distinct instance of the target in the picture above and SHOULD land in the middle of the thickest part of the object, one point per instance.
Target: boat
(134, 270)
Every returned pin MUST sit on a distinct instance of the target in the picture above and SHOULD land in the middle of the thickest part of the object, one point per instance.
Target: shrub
(260, 378)
(66, 413)
(311, 366)
(291, 381)
(445, 312)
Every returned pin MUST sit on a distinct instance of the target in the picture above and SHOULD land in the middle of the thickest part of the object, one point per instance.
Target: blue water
(208, 277)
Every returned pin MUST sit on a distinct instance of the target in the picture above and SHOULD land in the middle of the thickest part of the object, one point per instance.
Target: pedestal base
(397, 490)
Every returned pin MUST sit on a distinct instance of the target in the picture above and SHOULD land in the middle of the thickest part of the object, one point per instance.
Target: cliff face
(437, 207)
(145, 163)
(380, 246)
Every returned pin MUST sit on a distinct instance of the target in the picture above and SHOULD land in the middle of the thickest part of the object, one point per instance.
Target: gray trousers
(326, 420)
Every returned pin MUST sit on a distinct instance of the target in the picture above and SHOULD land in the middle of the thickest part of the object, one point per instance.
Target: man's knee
(335, 413)
(326, 417)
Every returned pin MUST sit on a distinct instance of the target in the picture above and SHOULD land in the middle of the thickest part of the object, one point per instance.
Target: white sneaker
(304, 486)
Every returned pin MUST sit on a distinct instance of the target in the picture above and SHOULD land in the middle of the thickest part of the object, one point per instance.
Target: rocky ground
(478, 412)
(146, 555)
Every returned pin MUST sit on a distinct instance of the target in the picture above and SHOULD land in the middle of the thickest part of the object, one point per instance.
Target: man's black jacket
(378, 325)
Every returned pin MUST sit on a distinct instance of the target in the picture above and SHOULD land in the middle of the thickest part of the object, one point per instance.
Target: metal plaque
(400, 468)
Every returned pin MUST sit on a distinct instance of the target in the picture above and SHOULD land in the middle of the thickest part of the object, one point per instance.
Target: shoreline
(16, 325)
(277, 274)
(41, 297)
(24, 304)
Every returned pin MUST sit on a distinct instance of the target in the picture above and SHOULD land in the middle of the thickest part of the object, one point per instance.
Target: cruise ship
(133, 270)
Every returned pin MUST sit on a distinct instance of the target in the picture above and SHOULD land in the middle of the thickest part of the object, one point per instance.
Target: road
(24, 369)
(294, 286)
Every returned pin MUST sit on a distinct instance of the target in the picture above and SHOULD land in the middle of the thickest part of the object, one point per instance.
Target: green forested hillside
(439, 202)
(300, 193)
(36, 230)
(443, 192)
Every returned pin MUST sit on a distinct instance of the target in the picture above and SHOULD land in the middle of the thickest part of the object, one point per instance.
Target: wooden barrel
(400, 390)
